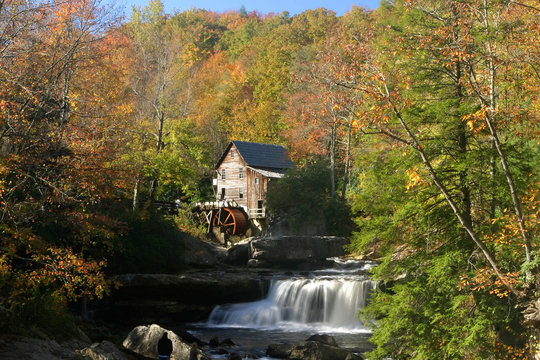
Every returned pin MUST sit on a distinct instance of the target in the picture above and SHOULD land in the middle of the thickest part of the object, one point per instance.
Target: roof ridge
(257, 143)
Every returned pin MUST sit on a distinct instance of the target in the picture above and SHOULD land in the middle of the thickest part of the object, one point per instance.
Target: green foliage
(152, 244)
(235, 42)
(437, 154)
(303, 199)
(428, 315)
(182, 164)
(188, 223)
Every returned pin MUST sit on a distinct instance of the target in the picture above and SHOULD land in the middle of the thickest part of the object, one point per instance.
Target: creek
(296, 306)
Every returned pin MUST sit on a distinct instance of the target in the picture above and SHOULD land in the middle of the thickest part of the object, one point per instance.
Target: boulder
(33, 349)
(199, 253)
(532, 313)
(315, 350)
(104, 350)
(325, 339)
(292, 250)
(143, 341)
(238, 254)
(279, 351)
(317, 347)
(78, 347)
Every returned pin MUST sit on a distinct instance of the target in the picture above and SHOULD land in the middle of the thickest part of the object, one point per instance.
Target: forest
(422, 115)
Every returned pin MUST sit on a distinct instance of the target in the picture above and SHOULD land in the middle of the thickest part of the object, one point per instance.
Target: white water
(326, 301)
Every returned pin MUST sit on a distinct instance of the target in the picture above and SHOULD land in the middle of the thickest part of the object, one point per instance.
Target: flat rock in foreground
(143, 340)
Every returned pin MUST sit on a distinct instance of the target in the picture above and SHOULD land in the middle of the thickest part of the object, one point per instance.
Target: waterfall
(321, 301)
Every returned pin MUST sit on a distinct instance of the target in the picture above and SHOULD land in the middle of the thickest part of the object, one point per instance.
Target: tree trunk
(333, 160)
(152, 189)
(136, 195)
(462, 143)
(346, 175)
(490, 121)
(467, 226)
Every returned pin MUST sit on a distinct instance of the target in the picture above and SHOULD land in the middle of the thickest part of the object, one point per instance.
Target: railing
(256, 213)
(216, 204)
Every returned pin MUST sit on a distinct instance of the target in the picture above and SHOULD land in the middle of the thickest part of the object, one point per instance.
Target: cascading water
(297, 306)
(323, 302)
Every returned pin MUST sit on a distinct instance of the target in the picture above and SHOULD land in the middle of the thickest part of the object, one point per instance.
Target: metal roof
(257, 155)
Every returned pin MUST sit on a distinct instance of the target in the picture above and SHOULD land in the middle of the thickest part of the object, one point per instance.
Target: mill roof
(260, 156)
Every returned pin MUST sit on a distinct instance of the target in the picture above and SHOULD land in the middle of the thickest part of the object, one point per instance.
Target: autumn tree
(167, 52)
(49, 141)
(426, 101)
(321, 112)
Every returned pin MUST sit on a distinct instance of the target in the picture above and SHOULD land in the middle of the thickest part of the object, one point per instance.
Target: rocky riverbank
(141, 343)
(218, 276)
(239, 274)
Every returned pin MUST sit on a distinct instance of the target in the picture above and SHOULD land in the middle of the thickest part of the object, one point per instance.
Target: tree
(326, 110)
(48, 142)
(302, 198)
(155, 55)
(168, 54)
(423, 101)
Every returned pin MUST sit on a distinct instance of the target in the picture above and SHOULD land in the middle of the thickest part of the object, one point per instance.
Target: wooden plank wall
(253, 191)
(232, 183)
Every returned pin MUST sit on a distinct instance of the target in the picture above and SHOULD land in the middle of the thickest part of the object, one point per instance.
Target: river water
(297, 306)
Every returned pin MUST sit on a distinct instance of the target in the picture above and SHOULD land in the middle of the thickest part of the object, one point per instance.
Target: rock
(33, 349)
(315, 350)
(317, 347)
(353, 356)
(227, 342)
(143, 340)
(177, 298)
(200, 253)
(214, 342)
(238, 254)
(220, 351)
(291, 250)
(104, 350)
(532, 313)
(78, 347)
(188, 338)
(325, 339)
(280, 351)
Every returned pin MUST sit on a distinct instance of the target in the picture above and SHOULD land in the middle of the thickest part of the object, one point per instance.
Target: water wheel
(231, 221)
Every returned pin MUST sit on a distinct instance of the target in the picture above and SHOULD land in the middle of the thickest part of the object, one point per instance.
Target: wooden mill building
(244, 171)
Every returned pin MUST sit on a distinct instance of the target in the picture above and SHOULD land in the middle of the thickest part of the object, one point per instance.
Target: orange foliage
(486, 279)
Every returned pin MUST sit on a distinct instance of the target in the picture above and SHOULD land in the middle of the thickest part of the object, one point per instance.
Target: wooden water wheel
(231, 221)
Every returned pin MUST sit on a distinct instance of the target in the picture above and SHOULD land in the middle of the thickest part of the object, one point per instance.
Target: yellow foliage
(414, 179)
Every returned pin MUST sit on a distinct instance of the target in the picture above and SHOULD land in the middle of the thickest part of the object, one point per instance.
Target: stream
(297, 306)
